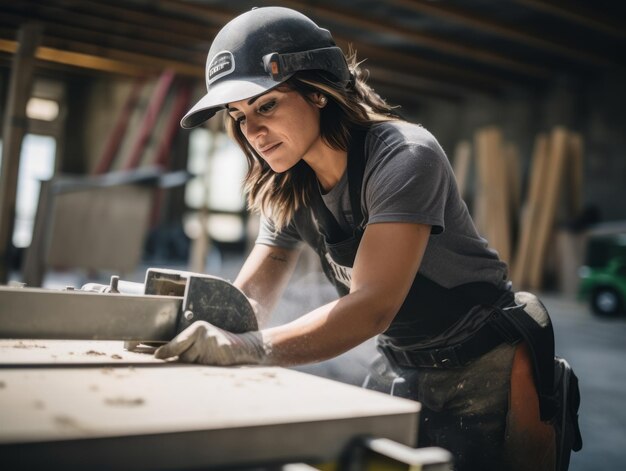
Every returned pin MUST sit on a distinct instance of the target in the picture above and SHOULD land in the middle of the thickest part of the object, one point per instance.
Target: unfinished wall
(595, 108)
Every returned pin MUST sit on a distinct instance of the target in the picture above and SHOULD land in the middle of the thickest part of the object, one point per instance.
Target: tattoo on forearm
(278, 257)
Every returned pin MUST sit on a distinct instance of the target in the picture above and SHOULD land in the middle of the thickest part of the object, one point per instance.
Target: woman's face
(281, 125)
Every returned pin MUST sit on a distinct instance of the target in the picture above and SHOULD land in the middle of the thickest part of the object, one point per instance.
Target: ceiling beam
(120, 49)
(354, 19)
(578, 15)
(86, 32)
(470, 20)
(120, 62)
(407, 62)
(410, 64)
(105, 17)
(399, 86)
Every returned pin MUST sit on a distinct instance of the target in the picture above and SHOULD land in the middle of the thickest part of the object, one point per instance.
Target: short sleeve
(408, 182)
(287, 238)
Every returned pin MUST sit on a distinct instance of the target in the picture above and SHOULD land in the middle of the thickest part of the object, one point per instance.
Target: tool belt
(494, 331)
(556, 383)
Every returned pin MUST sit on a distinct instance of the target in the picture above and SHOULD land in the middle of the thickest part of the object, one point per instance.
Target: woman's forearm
(327, 331)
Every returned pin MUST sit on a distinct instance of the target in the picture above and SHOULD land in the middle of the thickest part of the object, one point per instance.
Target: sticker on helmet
(223, 63)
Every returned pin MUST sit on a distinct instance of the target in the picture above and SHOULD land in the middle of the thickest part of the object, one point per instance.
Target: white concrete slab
(173, 416)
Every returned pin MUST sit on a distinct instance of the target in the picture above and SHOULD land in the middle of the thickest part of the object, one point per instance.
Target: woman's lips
(269, 149)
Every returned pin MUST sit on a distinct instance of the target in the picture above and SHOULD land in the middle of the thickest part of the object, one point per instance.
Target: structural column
(14, 128)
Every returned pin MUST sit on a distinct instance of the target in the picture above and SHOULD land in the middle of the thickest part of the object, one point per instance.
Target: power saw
(154, 311)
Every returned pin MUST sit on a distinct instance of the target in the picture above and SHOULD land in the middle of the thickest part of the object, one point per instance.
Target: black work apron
(429, 308)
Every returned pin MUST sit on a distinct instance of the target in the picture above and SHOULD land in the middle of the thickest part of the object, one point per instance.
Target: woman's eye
(240, 120)
(269, 106)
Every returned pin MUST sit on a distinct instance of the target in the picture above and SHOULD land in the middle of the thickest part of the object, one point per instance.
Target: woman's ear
(319, 99)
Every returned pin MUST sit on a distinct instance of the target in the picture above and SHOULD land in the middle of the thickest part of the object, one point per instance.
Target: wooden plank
(150, 118)
(576, 174)
(513, 182)
(494, 198)
(15, 123)
(114, 140)
(162, 158)
(461, 166)
(530, 212)
(549, 200)
(501, 198)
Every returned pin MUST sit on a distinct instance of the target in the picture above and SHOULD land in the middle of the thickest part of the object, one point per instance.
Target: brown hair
(351, 106)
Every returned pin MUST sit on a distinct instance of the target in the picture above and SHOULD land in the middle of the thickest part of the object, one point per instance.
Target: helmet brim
(225, 92)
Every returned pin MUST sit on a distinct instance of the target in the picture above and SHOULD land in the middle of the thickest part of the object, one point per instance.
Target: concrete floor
(595, 347)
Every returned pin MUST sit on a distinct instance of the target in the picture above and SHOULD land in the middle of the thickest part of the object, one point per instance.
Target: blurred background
(527, 98)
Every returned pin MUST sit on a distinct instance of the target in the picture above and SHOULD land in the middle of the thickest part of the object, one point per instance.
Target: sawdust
(21, 344)
(118, 372)
(124, 401)
(65, 421)
(3, 385)
(94, 353)
(116, 357)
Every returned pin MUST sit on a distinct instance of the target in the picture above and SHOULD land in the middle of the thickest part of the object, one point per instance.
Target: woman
(331, 165)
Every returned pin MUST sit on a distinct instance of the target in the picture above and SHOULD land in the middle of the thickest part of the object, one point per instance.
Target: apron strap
(327, 223)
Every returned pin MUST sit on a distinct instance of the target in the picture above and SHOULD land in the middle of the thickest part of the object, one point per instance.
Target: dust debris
(93, 387)
(39, 405)
(269, 374)
(107, 371)
(3, 385)
(124, 401)
(65, 421)
(71, 353)
(115, 356)
(21, 344)
(94, 353)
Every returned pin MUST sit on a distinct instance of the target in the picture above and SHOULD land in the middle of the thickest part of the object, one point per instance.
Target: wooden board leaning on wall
(519, 221)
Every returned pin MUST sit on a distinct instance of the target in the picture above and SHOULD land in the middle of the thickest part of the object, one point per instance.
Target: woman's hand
(205, 343)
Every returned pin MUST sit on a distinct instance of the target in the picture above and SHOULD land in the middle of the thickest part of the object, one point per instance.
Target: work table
(92, 404)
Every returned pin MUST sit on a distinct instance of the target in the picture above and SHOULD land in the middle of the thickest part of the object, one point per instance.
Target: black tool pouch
(565, 421)
(557, 385)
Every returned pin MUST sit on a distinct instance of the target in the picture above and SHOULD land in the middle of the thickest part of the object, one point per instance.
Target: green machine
(603, 277)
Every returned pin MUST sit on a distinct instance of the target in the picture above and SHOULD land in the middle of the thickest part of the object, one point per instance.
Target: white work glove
(204, 343)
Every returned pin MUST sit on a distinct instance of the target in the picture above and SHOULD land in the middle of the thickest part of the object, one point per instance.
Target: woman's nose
(254, 129)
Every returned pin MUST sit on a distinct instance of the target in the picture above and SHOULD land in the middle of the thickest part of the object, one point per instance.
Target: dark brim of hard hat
(220, 94)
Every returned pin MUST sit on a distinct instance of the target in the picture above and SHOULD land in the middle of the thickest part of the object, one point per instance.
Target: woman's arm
(386, 264)
(264, 276)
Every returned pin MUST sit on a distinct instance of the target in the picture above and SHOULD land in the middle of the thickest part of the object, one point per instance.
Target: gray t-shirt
(407, 178)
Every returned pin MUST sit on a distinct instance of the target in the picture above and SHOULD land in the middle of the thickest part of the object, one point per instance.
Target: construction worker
(331, 165)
